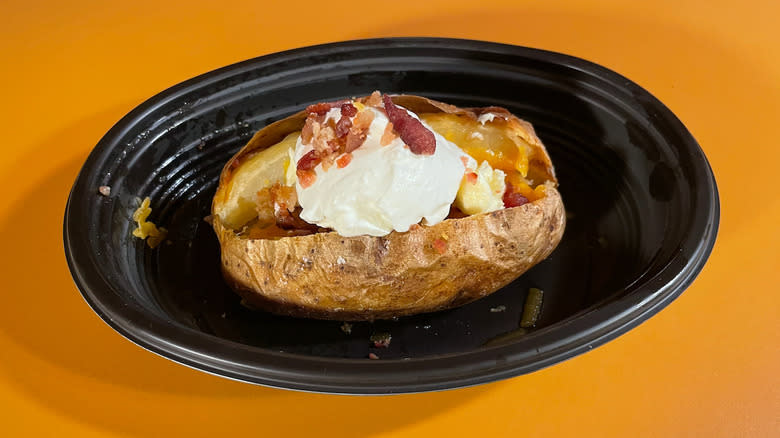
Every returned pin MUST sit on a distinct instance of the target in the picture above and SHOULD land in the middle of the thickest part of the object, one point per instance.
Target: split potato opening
(307, 271)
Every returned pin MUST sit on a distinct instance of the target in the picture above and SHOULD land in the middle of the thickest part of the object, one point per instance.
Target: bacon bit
(512, 198)
(278, 205)
(373, 356)
(363, 120)
(286, 213)
(388, 136)
(306, 177)
(328, 161)
(342, 127)
(319, 118)
(283, 197)
(319, 108)
(348, 110)
(264, 206)
(308, 130)
(322, 141)
(420, 139)
(471, 177)
(374, 99)
(440, 245)
(344, 160)
(464, 160)
(381, 340)
(359, 130)
(323, 107)
(354, 141)
(291, 220)
(309, 161)
(330, 138)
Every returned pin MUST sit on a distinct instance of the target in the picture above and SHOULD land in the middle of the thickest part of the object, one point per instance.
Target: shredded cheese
(147, 230)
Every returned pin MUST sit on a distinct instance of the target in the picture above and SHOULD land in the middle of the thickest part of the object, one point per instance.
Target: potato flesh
(482, 192)
(254, 174)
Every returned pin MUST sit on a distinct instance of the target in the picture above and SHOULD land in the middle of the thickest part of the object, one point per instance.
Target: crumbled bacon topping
(420, 139)
(354, 141)
(308, 130)
(512, 198)
(374, 99)
(359, 130)
(327, 162)
(388, 136)
(322, 141)
(318, 108)
(309, 161)
(464, 160)
(381, 340)
(344, 160)
(343, 125)
(306, 177)
(283, 197)
(471, 177)
(363, 120)
(285, 200)
(311, 128)
(348, 110)
(278, 205)
(323, 107)
(264, 206)
(330, 138)
(291, 220)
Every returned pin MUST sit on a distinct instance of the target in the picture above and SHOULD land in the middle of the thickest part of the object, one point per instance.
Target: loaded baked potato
(385, 206)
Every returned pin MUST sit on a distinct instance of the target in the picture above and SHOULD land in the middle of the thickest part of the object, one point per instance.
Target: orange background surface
(706, 366)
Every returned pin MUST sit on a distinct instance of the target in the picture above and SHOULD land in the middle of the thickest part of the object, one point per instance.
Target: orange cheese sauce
(487, 142)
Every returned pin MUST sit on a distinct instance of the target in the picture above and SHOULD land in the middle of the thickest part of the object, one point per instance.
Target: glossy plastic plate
(641, 200)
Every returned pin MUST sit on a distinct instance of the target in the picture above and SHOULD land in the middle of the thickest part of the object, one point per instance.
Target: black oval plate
(641, 199)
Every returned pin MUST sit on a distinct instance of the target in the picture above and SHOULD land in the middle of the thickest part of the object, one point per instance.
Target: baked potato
(503, 216)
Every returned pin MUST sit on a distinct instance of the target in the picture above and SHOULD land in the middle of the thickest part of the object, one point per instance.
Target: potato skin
(327, 276)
